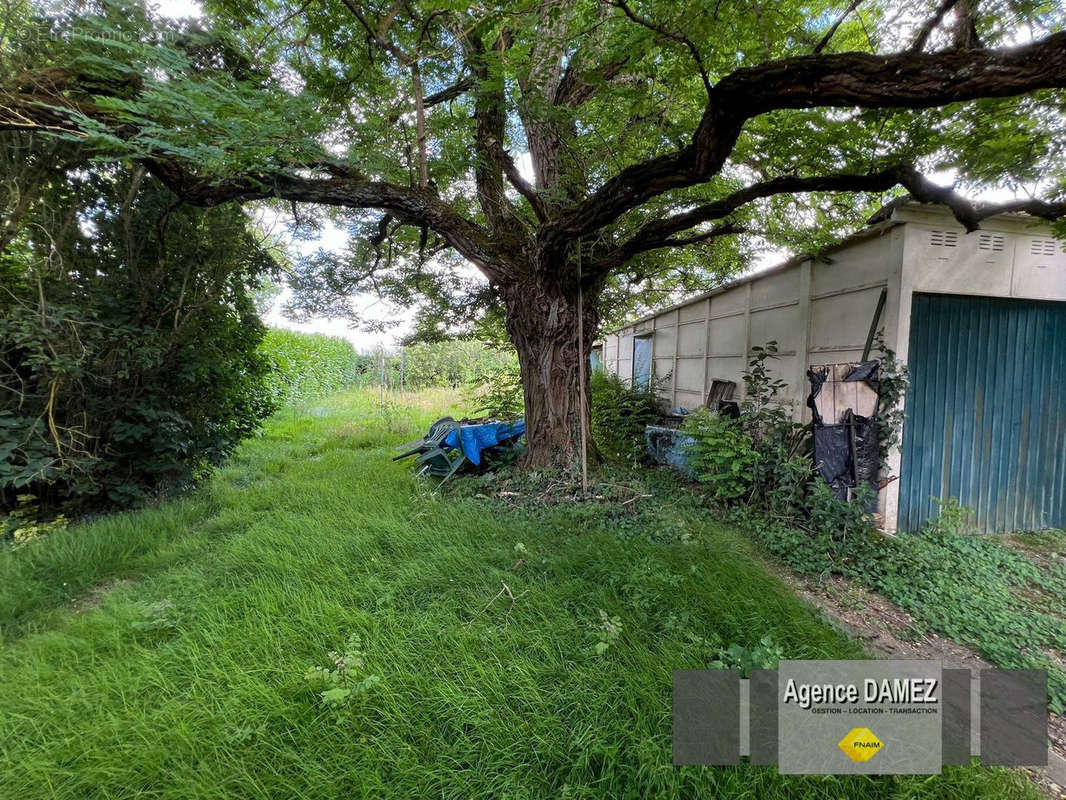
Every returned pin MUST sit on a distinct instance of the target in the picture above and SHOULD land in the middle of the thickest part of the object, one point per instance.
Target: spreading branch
(409, 205)
(663, 232)
(844, 80)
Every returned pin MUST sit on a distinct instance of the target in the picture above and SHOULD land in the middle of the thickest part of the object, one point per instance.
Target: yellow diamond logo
(860, 744)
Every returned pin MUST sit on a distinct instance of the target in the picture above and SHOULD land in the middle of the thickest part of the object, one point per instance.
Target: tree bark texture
(542, 320)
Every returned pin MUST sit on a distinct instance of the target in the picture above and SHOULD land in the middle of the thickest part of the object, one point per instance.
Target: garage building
(979, 318)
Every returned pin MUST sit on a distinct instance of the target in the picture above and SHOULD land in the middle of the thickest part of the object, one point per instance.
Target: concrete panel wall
(1039, 269)
(820, 311)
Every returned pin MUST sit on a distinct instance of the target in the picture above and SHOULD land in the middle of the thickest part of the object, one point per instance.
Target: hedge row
(305, 365)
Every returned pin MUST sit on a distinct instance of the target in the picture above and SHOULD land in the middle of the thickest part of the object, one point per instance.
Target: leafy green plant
(23, 523)
(761, 387)
(498, 393)
(345, 678)
(893, 380)
(606, 631)
(619, 414)
(765, 655)
(722, 455)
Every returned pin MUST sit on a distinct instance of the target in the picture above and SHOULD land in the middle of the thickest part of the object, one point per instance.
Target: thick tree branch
(902, 80)
(663, 232)
(544, 133)
(457, 89)
(514, 177)
(409, 205)
(578, 87)
(490, 116)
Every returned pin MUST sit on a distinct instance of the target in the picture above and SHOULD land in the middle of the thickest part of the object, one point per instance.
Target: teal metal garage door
(986, 412)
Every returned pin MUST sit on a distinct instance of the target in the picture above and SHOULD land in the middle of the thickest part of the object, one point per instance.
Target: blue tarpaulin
(475, 438)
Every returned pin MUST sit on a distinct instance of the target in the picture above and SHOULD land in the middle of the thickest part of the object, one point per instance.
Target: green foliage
(970, 588)
(24, 524)
(607, 631)
(893, 380)
(765, 655)
(760, 457)
(307, 365)
(345, 679)
(128, 339)
(722, 455)
(618, 415)
(499, 393)
(270, 559)
(453, 363)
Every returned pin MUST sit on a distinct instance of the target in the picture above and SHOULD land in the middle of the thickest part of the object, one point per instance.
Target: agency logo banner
(861, 717)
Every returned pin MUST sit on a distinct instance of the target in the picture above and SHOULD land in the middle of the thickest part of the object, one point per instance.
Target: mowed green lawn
(162, 653)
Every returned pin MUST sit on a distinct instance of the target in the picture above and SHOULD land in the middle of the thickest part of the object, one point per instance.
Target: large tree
(566, 148)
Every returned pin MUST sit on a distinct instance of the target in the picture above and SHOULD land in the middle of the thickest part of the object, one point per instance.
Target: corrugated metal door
(986, 412)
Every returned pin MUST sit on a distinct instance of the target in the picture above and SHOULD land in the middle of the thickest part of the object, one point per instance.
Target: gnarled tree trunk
(542, 320)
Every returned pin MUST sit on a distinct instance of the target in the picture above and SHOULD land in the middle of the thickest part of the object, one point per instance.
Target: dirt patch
(94, 598)
(890, 632)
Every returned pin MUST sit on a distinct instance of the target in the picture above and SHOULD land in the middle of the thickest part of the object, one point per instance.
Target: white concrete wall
(818, 312)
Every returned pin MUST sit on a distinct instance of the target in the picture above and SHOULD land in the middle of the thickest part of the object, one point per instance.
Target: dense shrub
(305, 365)
(128, 340)
(619, 414)
(722, 455)
(761, 456)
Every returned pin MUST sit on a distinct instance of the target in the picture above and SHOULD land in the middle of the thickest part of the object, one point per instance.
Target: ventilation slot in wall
(992, 241)
(943, 238)
(1042, 247)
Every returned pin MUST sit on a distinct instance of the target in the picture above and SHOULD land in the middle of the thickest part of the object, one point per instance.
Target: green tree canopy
(664, 140)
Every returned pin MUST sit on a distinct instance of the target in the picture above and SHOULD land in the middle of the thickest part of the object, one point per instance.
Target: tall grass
(161, 653)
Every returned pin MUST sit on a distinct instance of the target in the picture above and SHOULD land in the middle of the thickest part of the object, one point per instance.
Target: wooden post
(581, 374)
